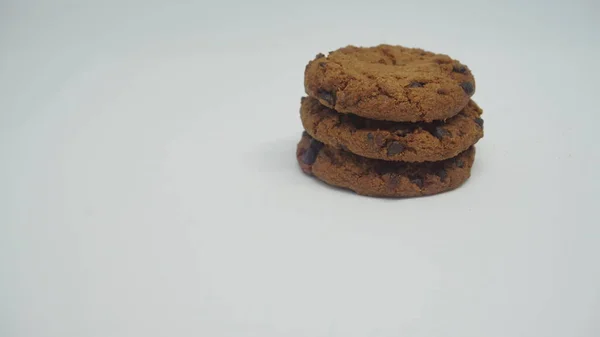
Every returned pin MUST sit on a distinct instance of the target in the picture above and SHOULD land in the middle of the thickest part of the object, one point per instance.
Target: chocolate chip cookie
(393, 141)
(391, 83)
(380, 178)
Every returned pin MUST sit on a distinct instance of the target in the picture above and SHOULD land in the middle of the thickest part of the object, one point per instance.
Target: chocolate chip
(370, 136)
(479, 121)
(439, 132)
(394, 148)
(416, 85)
(344, 147)
(443, 91)
(460, 163)
(327, 96)
(322, 64)
(442, 174)
(305, 134)
(310, 155)
(319, 55)
(459, 68)
(417, 181)
(302, 99)
(468, 87)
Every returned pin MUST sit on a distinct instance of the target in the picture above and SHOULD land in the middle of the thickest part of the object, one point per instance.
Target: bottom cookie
(380, 178)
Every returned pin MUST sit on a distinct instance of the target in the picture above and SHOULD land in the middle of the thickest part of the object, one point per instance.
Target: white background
(148, 183)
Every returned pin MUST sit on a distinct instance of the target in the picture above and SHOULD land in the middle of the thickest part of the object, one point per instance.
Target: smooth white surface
(148, 184)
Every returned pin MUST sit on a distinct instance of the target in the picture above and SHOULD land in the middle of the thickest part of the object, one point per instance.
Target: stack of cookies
(389, 121)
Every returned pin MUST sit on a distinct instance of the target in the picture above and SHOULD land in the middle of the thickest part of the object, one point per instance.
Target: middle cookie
(393, 141)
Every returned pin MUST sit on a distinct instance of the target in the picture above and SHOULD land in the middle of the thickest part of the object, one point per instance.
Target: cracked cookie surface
(390, 83)
(380, 178)
(396, 141)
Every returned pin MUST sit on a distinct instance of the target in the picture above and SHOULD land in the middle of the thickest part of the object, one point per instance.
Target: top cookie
(391, 83)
